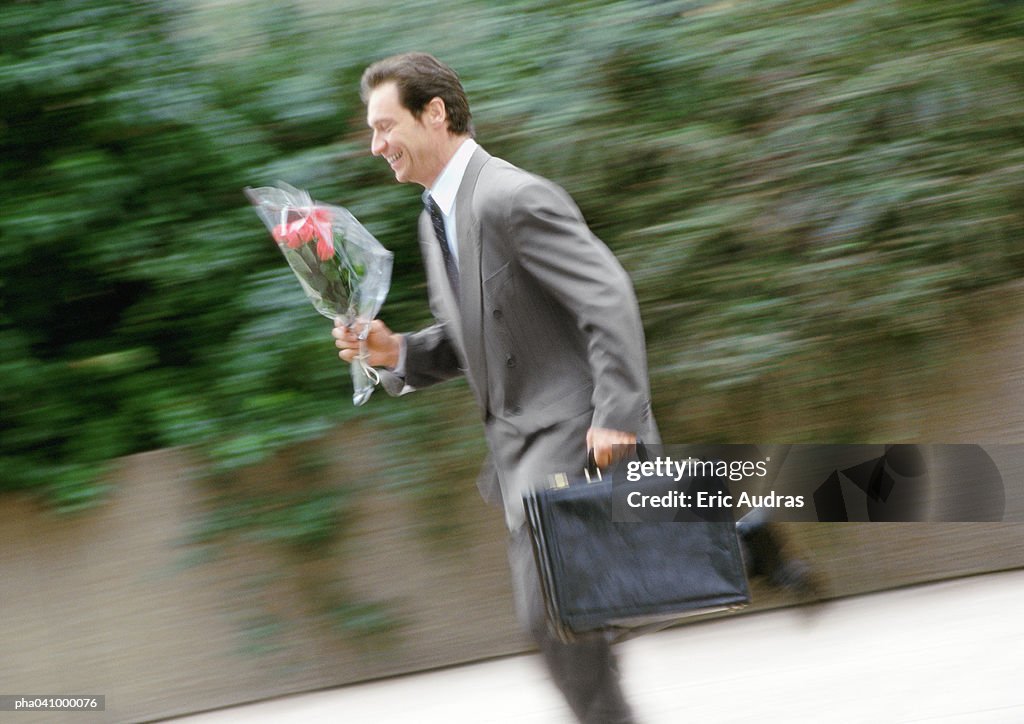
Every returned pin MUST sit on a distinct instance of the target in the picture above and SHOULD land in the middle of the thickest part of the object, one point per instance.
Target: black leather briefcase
(630, 578)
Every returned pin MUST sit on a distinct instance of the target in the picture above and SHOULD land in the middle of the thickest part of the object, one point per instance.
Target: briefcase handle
(593, 473)
(590, 470)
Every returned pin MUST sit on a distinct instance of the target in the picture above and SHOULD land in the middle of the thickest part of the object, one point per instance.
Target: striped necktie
(442, 238)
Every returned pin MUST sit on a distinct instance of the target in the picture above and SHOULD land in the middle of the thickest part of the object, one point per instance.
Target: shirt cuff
(399, 368)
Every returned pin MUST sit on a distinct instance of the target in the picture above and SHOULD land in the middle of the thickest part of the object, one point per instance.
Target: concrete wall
(119, 602)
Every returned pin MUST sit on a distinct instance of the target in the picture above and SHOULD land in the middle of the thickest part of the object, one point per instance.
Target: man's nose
(377, 145)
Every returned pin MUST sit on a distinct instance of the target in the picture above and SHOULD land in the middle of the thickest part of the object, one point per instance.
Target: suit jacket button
(496, 314)
(510, 362)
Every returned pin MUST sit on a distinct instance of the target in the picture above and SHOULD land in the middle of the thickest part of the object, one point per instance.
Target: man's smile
(392, 159)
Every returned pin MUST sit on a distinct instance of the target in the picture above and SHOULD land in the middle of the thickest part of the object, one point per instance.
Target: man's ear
(435, 112)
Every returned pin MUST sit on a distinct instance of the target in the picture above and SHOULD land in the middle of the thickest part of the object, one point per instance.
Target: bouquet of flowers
(343, 269)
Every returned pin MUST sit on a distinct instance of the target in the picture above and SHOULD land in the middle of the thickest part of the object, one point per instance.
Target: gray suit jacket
(547, 329)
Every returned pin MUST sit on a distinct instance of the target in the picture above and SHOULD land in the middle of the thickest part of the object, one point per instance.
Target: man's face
(409, 145)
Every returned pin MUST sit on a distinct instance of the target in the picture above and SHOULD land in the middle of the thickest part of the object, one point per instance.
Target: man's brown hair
(420, 77)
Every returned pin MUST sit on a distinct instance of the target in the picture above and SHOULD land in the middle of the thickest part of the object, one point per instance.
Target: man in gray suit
(532, 308)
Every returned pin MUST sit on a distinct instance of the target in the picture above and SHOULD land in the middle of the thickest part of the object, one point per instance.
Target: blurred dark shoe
(763, 556)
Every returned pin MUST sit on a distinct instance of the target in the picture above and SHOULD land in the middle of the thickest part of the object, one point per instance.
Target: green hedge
(788, 183)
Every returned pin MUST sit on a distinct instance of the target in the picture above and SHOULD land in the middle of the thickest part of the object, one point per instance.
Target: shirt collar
(447, 184)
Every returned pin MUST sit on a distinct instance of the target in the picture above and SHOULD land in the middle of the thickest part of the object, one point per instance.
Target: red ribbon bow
(313, 224)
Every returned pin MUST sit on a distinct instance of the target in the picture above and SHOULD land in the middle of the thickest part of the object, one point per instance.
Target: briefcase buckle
(559, 480)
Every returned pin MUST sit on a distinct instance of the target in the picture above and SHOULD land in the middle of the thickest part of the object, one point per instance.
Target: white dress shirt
(445, 187)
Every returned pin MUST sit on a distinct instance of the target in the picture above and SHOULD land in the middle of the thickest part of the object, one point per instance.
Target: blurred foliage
(792, 184)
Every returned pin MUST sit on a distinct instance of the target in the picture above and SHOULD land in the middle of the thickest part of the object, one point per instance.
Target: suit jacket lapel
(470, 283)
(439, 288)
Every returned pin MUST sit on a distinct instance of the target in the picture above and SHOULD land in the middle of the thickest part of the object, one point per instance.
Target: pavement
(944, 653)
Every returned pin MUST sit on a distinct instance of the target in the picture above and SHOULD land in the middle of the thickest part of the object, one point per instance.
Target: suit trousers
(586, 671)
